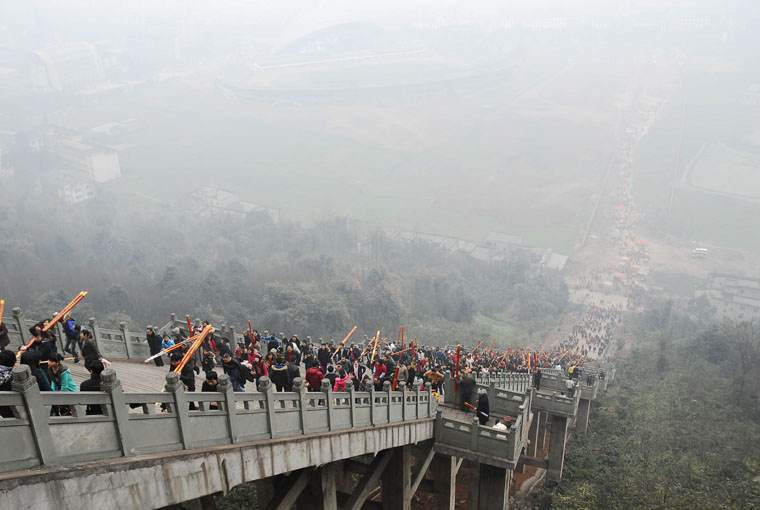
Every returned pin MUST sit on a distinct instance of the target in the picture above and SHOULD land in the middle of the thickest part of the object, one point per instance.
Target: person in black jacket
(4, 339)
(483, 409)
(154, 343)
(186, 375)
(88, 347)
(324, 356)
(211, 385)
(466, 389)
(233, 369)
(95, 368)
(280, 375)
(294, 371)
(7, 360)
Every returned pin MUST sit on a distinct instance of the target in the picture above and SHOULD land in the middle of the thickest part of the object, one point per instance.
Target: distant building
(502, 241)
(553, 260)
(74, 194)
(734, 297)
(73, 67)
(98, 163)
(212, 201)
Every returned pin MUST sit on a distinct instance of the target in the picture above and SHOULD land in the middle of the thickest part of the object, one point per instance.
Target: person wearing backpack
(234, 369)
(71, 331)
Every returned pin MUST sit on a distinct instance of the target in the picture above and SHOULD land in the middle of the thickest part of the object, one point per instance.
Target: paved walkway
(135, 377)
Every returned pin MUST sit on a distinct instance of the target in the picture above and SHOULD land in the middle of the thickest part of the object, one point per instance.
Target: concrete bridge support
(445, 469)
(489, 487)
(543, 418)
(584, 408)
(530, 449)
(557, 446)
(397, 480)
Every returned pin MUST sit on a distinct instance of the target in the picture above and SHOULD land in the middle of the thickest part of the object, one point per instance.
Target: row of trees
(316, 280)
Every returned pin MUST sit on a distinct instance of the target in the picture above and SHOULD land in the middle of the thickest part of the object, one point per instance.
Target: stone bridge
(312, 449)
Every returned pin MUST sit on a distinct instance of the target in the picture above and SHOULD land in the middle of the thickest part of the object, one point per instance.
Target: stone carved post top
(123, 325)
(402, 386)
(16, 311)
(297, 384)
(224, 382)
(21, 373)
(173, 381)
(326, 387)
(417, 385)
(91, 320)
(349, 385)
(108, 375)
(172, 317)
(22, 378)
(265, 384)
(387, 386)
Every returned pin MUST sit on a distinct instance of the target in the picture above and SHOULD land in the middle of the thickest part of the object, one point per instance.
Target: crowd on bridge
(368, 365)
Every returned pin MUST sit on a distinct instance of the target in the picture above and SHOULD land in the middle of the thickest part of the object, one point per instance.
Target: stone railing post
(18, 316)
(351, 390)
(449, 388)
(299, 388)
(389, 397)
(475, 432)
(225, 388)
(118, 409)
(438, 426)
(430, 402)
(127, 343)
(233, 341)
(95, 330)
(404, 396)
(175, 386)
(372, 394)
(492, 394)
(416, 389)
(265, 387)
(59, 333)
(36, 413)
(326, 388)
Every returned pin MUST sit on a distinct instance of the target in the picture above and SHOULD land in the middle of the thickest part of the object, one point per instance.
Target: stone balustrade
(556, 404)
(141, 423)
(496, 447)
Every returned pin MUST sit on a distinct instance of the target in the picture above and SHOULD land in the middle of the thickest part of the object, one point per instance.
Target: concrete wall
(159, 480)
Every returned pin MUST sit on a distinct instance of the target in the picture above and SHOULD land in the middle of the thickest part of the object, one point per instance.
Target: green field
(518, 157)
(711, 114)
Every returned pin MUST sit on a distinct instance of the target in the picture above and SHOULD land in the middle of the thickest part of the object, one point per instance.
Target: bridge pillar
(489, 487)
(444, 469)
(264, 491)
(541, 436)
(397, 480)
(530, 449)
(557, 446)
(584, 407)
(321, 493)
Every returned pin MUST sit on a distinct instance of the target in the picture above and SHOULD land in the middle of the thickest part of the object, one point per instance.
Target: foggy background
(198, 153)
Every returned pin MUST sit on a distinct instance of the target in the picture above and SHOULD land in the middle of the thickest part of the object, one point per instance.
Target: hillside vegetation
(679, 428)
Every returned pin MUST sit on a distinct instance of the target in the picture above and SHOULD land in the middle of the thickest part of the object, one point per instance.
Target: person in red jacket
(314, 377)
(380, 369)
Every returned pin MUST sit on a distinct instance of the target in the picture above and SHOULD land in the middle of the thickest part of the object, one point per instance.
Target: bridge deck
(136, 377)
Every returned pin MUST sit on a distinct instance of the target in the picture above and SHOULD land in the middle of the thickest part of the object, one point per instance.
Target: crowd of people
(369, 364)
